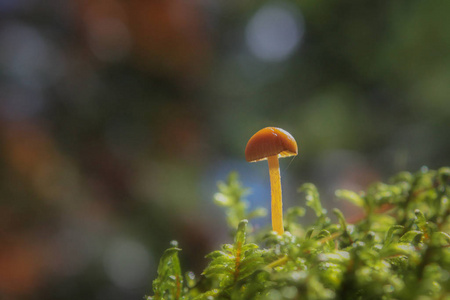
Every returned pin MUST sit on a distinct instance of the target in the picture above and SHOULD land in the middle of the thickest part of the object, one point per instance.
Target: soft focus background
(118, 117)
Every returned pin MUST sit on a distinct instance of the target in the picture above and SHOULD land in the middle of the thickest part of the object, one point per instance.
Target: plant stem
(278, 262)
(275, 186)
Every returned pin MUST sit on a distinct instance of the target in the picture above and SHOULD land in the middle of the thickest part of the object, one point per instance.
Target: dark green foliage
(169, 283)
(234, 262)
(398, 249)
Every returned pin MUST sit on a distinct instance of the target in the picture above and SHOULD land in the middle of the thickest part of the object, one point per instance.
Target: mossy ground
(399, 249)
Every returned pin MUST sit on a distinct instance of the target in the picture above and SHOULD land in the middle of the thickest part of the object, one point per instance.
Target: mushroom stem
(275, 186)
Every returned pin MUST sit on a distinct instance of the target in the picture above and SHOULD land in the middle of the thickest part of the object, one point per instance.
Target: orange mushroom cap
(270, 141)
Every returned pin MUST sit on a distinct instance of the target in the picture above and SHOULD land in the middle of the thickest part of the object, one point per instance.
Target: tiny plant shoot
(397, 248)
(269, 144)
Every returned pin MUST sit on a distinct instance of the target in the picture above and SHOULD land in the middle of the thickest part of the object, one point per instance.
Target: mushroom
(271, 143)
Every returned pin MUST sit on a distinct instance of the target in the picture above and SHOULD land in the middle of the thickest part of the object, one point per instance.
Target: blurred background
(117, 118)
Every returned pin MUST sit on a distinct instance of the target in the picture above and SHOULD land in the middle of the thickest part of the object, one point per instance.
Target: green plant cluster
(399, 248)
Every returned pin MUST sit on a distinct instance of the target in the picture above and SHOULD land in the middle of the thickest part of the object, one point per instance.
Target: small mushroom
(271, 143)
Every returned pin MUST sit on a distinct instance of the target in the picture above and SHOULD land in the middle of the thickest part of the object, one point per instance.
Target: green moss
(399, 249)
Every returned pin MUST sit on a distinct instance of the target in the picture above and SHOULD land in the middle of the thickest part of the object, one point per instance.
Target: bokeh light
(274, 32)
(127, 263)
